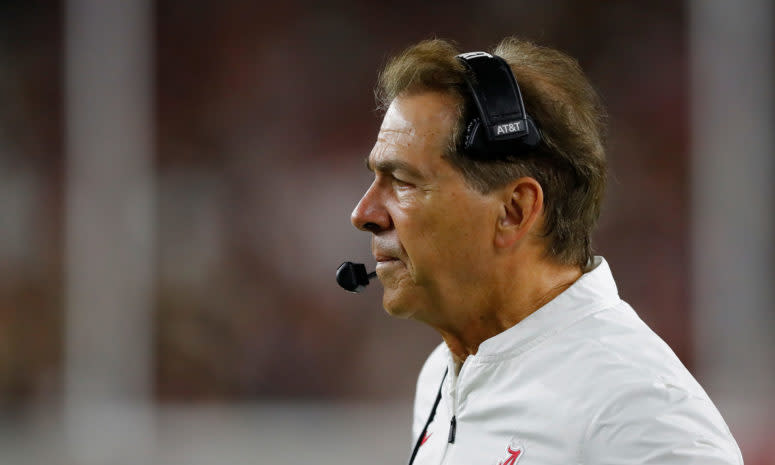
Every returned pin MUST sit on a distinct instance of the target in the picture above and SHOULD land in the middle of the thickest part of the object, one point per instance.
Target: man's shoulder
(635, 387)
(617, 341)
(627, 376)
(614, 347)
(626, 383)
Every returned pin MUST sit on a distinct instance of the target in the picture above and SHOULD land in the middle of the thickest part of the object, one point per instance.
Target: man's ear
(522, 204)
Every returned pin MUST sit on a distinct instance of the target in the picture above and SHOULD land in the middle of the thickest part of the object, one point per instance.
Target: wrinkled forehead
(425, 120)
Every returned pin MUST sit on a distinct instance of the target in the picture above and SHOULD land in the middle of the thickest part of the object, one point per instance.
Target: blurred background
(176, 180)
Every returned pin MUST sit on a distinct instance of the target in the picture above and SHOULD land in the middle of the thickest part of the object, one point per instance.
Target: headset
(500, 128)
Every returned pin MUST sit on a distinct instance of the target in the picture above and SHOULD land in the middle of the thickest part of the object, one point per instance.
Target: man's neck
(524, 291)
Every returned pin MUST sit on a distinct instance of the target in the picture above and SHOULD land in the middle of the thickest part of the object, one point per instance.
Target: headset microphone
(353, 277)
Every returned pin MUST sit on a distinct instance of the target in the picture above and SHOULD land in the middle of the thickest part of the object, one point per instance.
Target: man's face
(432, 234)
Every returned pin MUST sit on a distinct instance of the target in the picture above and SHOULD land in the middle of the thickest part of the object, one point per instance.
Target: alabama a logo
(514, 452)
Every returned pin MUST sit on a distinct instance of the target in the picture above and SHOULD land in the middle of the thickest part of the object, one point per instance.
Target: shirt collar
(595, 290)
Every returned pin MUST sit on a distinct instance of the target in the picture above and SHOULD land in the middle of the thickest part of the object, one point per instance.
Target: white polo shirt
(580, 381)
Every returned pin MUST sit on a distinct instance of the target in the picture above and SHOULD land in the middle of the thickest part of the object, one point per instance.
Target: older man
(481, 212)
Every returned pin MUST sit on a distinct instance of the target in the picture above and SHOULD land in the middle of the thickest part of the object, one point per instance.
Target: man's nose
(370, 214)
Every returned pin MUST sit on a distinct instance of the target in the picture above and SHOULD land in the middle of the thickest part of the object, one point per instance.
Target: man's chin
(396, 304)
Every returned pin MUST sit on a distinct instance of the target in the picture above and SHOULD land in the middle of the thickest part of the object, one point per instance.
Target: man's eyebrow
(390, 166)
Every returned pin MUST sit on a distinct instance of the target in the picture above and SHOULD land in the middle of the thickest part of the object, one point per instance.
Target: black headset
(501, 127)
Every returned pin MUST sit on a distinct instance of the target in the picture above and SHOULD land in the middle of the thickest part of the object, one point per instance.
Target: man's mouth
(385, 263)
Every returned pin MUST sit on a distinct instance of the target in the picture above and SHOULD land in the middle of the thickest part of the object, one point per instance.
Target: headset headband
(502, 125)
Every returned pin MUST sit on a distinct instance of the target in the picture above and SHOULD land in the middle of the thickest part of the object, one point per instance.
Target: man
(542, 362)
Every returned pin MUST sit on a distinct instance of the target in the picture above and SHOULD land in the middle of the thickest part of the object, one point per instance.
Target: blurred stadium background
(176, 180)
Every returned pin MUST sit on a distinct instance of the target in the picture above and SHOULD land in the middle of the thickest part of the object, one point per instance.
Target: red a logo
(514, 455)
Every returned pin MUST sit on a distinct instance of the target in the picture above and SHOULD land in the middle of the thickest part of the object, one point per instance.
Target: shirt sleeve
(659, 423)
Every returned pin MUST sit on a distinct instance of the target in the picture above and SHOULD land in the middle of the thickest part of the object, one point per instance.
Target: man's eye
(401, 183)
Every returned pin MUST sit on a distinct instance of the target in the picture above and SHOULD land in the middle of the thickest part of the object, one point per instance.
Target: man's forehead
(396, 120)
(414, 124)
(393, 152)
(433, 111)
